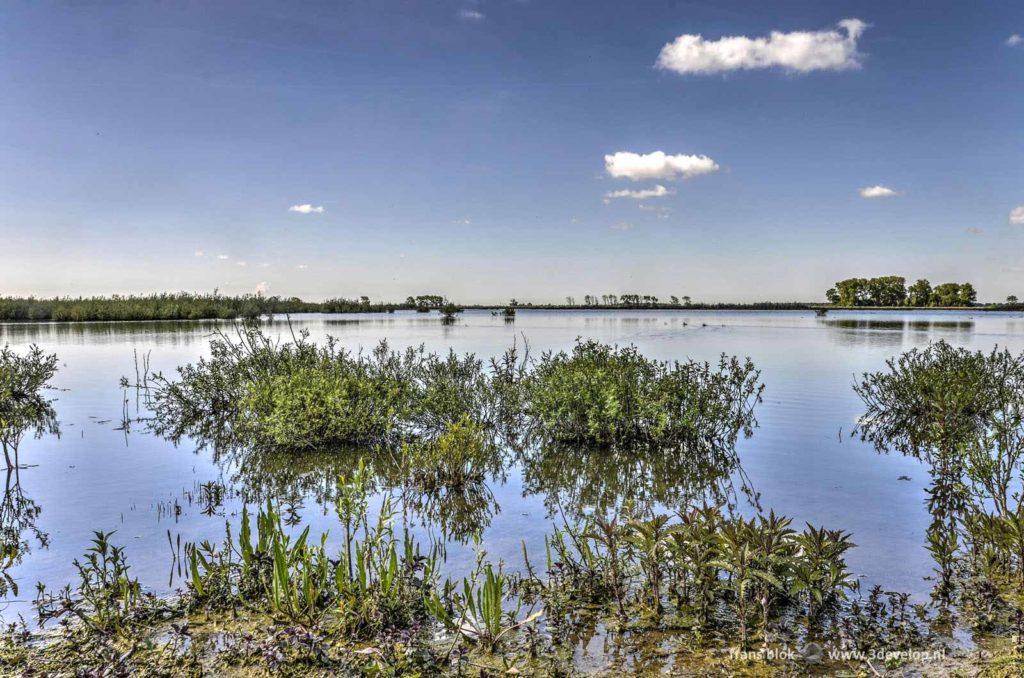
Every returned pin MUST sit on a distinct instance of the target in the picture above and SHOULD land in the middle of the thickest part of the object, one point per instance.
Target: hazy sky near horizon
(730, 151)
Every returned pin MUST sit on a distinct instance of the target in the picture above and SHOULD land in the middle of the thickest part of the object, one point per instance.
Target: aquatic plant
(603, 394)
(379, 606)
(300, 395)
(738, 557)
(650, 539)
(609, 534)
(316, 407)
(378, 582)
(820, 577)
(106, 600)
(694, 549)
(448, 312)
(479, 614)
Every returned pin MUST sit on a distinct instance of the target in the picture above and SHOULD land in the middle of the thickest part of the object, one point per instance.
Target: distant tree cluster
(425, 302)
(892, 290)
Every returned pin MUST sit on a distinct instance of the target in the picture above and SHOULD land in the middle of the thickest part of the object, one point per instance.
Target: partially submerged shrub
(310, 407)
(962, 413)
(299, 395)
(605, 394)
(23, 406)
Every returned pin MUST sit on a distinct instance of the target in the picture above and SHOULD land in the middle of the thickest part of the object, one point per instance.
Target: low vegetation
(732, 591)
(604, 394)
(298, 395)
(276, 599)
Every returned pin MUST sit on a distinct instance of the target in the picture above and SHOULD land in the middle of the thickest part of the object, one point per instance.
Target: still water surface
(801, 460)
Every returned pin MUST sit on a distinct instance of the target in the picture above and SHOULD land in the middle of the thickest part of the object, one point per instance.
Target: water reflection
(899, 325)
(577, 480)
(893, 333)
(18, 529)
(457, 509)
(573, 481)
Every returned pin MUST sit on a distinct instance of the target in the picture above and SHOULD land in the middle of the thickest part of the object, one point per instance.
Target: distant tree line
(629, 301)
(892, 290)
(191, 306)
(173, 306)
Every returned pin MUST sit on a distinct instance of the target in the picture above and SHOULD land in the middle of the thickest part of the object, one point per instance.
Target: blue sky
(466, 148)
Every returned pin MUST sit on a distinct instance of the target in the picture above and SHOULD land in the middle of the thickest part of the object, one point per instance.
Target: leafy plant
(106, 601)
(603, 394)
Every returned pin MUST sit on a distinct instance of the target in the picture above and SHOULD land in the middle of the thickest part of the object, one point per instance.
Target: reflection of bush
(441, 483)
(18, 516)
(23, 409)
(578, 478)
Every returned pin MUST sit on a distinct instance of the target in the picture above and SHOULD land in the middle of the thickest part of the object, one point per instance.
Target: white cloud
(223, 256)
(465, 221)
(877, 192)
(799, 51)
(200, 253)
(307, 209)
(659, 211)
(471, 15)
(262, 288)
(657, 165)
(242, 263)
(1017, 215)
(302, 267)
(622, 226)
(658, 191)
(1015, 40)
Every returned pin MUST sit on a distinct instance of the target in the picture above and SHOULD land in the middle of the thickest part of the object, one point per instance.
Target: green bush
(604, 394)
(23, 406)
(299, 395)
(321, 407)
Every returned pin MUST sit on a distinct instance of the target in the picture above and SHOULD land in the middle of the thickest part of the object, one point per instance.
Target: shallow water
(800, 460)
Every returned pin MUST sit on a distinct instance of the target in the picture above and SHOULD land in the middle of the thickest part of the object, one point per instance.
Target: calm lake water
(800, 460)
